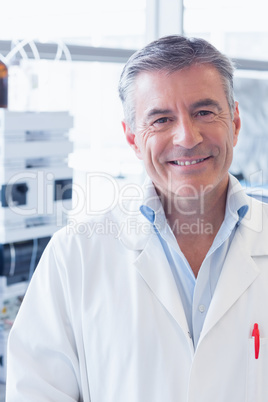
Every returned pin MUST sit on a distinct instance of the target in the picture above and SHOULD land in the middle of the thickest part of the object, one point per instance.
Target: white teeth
(187, 163)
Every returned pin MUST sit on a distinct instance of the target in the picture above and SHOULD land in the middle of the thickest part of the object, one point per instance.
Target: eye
(206, 115)
(162, 120)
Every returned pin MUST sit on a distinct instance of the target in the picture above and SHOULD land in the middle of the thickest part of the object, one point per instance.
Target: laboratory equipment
(35, 198)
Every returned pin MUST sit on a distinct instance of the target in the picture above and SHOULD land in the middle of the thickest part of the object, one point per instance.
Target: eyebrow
(157, 112)
(206, 102)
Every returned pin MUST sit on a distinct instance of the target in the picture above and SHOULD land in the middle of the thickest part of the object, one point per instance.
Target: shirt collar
(237, 203)
(235, 210)
(152, 207)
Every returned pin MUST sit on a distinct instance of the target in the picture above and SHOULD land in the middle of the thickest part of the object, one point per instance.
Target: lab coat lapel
(238, 273)
(153, 266)
(150, 261)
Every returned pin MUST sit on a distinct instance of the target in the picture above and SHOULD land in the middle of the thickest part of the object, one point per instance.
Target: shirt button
(202, 308)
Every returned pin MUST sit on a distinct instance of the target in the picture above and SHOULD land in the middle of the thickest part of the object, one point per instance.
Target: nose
(186, 133)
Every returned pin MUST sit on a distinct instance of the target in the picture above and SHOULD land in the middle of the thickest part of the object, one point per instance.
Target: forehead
(159, 88)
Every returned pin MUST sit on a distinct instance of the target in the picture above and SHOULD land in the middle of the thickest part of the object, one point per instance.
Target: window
(88, 89)
(100, 36)
(105, 23)
(237, 27)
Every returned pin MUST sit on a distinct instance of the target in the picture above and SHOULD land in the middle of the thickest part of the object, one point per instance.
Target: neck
(208, 208)
(195, 223)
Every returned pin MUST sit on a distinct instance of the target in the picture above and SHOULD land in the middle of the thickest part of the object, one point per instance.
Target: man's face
(184, 130)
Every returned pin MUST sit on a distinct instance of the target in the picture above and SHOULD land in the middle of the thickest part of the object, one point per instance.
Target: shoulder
(83, 249)
(89, 230)
(124, 223)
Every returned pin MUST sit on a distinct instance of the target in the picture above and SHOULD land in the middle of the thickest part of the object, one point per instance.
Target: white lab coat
(103, 321)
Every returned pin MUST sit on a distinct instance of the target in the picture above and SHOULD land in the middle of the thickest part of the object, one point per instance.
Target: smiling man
(172, 308)
(185, 132)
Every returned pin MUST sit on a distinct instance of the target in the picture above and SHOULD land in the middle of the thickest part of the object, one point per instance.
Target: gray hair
(170, 54)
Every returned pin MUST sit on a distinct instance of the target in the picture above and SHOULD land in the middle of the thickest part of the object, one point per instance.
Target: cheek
(143, 136)
(148, 142)
(156, 148)
(228, 136)
(229, 146)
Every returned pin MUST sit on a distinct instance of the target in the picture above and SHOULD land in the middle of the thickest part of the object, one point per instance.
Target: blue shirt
(196, 293)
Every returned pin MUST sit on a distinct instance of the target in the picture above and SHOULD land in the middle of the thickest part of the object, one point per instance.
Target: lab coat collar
(136, 229)
(158, 276)
(155, 270)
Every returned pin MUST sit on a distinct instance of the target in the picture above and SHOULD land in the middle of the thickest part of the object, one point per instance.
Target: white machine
(35, 180)
(35, 198)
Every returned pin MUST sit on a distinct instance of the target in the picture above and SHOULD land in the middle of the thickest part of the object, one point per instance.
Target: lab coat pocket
(257, 372)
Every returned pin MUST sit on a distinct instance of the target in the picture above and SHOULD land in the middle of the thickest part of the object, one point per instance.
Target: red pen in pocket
(256, 335)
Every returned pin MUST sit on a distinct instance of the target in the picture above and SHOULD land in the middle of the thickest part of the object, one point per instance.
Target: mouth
(188, 162)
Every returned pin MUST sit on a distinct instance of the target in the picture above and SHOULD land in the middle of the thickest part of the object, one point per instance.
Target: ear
(236, 124)
(131, 139)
